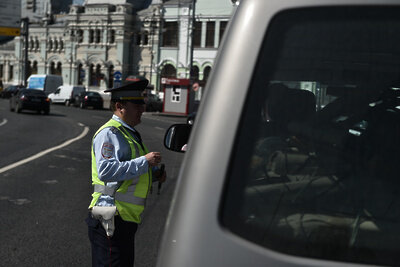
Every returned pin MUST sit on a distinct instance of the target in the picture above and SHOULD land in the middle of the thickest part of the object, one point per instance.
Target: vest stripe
(99, 188)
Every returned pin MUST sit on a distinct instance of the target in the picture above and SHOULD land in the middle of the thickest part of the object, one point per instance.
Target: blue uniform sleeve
(113, 157)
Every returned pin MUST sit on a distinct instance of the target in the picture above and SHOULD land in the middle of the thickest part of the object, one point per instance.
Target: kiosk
(178, 98)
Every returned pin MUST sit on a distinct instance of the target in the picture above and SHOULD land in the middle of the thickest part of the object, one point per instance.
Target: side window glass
(315, 168)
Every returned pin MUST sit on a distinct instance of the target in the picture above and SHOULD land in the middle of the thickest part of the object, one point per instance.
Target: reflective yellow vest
(130, 197)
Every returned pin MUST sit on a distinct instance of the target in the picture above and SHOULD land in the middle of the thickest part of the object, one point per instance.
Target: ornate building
(92, 42)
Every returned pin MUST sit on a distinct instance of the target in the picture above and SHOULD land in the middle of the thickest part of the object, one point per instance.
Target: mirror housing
(177, 136)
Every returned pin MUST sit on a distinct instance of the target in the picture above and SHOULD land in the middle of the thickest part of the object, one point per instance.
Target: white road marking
(3, 122)
(159, 128)
(40, 154)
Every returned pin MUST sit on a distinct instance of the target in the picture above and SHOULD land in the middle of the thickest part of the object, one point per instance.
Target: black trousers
(119, 250)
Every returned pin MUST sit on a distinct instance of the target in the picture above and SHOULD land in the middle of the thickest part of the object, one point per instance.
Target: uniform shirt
(113, 159)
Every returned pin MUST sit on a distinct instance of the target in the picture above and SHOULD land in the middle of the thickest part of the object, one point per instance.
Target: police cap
(133, 92)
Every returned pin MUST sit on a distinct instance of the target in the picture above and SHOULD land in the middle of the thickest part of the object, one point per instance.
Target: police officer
(122, 173)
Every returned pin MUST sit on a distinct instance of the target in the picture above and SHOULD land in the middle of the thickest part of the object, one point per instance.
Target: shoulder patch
(107, 150)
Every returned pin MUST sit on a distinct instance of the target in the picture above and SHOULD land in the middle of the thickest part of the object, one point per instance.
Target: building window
(222, 28)
(95, 75)
(35, 67)
(168, 71)
(195, 73)
(170, 34)
(197, 34)
(59, 69)
(206, 74)
(138, 38)
(61, 43)
(81, 74)
(55, 45)
(145, 38)
(11, 73)
(91, 36)
(36, 44)
(98, 36)
(210, 33)
(112, 37)
(79, 34)
(50, 44)
(31, 44)
(1, 71)
(52, 68)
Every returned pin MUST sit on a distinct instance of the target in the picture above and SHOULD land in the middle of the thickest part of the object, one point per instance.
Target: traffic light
(31, 5)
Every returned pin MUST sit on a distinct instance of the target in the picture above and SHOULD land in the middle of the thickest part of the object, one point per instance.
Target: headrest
(285, 105)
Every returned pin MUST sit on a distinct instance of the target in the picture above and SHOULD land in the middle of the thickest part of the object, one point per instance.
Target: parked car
(66, 94)
(30, 99)
(153, 103)
(10, 90)
(300, 165)
(89, 99)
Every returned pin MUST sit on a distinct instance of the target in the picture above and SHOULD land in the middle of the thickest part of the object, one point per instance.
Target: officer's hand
(153, 158)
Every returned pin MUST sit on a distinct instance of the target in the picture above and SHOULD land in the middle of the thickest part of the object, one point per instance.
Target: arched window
(92, 76)
(99, 75)
(29, 71)
(145, 38)
(138, 38)
(168, 71)
(35, 67)
(61, 45)
(80, 74)
(206, 74)
(98, 36)
(50, 42)
(36, 44)
(195, 73)
(112, 37)
(79, 34)
(31, 44)
(52, 68)
(55, 44)
(59, 69)
(91, 36)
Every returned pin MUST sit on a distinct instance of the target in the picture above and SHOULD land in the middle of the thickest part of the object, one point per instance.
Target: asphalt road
(45, 186)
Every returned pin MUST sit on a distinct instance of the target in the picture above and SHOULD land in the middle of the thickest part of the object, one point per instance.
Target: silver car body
(194, 235)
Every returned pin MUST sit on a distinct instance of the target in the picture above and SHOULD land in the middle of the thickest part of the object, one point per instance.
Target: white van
(66, 94)
(300, 166)
(46, 82)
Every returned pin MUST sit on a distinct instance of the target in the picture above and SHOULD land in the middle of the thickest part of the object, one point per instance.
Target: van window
(315, 168)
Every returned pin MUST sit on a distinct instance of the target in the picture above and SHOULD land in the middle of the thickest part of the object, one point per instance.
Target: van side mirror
(177, 137)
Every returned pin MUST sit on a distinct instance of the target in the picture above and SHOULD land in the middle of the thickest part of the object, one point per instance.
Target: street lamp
(25, 33)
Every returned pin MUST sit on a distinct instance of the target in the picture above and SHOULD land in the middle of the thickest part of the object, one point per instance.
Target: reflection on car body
(301, 166)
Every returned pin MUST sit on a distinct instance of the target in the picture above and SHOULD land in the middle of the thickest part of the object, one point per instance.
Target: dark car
(89, 99)
(153, 103)
(11, 90)
(30, 99)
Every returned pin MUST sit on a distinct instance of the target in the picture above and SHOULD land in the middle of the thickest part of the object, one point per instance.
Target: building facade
(100, 38)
